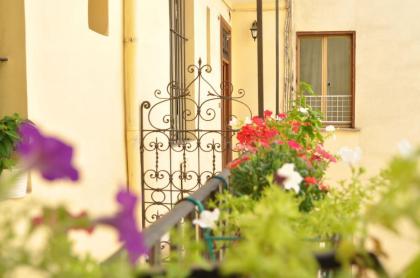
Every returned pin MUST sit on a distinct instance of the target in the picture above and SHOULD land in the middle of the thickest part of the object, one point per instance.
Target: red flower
(256, 133)
(294, 145)
(295, 126)
(311, 180)
(235, 163)
(267, 114)
(258, 121)
(282, 116)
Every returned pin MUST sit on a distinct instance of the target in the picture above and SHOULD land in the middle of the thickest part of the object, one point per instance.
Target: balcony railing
(337, 109)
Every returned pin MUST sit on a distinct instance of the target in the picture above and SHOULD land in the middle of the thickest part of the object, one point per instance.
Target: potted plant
(9, 137)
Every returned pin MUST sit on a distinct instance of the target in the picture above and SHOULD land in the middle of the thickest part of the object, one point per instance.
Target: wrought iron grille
(177, 40)
(337, 109)
(171, 170)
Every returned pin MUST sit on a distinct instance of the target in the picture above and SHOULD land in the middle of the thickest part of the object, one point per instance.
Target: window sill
(344, 129)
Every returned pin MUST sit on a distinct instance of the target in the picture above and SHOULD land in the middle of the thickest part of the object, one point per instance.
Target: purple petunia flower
(49, 155)
(125, 222)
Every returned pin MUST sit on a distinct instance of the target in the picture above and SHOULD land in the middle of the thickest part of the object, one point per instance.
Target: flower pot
(19, 188)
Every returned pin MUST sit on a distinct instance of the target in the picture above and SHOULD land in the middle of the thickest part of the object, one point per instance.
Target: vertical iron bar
(177, 68)
(260, 59)
(184, 102)
(171, 66)
(277, 58)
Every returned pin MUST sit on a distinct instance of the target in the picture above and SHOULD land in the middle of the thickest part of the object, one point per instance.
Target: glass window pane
(311, 62)
(311, 68)
(339, 65)
(339, 79)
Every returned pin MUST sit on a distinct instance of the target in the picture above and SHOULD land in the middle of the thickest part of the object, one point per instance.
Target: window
(326, 61)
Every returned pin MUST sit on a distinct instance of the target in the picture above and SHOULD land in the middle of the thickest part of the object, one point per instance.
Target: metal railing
(335, 108)
(185, 209)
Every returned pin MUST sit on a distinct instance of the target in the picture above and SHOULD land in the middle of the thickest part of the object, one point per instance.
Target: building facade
(82, 70)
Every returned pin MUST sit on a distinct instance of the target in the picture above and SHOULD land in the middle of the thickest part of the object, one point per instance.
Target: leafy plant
(9, 137)
(269, 245)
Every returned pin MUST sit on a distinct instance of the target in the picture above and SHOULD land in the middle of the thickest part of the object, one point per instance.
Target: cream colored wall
(12, 46)
(387, 66)
(244, 49)
(387, 71)
(152, 67)
(75, 90)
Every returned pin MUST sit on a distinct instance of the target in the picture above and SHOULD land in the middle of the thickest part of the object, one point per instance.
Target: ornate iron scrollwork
(174, 165)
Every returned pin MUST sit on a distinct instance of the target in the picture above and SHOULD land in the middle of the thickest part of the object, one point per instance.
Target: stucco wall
(75, 90)
(244, 51)
(387, 71)
(152, 72)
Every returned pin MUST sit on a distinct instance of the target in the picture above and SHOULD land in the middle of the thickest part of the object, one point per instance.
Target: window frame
(322, 34)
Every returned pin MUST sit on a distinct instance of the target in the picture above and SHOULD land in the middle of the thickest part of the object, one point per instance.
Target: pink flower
(267, 114)
(282, 116)
(294, 145)
(324, 154)
(323, 187)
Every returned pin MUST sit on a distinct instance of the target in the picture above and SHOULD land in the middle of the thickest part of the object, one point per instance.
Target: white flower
(207, 219)
(350, 156)
(303, 110)
(247, 121)
(329, 128)
(405, 148)
(292, 179)
(233, 122)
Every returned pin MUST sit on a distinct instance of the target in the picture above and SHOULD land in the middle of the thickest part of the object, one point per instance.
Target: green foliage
(189, 253)
(270, 246)
(400, 198)
(55, 257)
(340, 212)
(9, 136)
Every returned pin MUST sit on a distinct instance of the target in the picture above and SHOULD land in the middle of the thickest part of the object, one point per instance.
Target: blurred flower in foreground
(125, 222)
(350, 156)
(207, 219)
(405, 148)
(288, 177)
(49, 155)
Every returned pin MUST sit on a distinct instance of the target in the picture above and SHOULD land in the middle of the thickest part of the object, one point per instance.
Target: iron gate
(177, 161)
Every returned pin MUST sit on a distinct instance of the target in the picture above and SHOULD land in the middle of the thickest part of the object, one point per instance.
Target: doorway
(226, 78)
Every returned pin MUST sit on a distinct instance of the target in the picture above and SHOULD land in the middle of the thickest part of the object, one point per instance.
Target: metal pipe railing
(155, 232)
